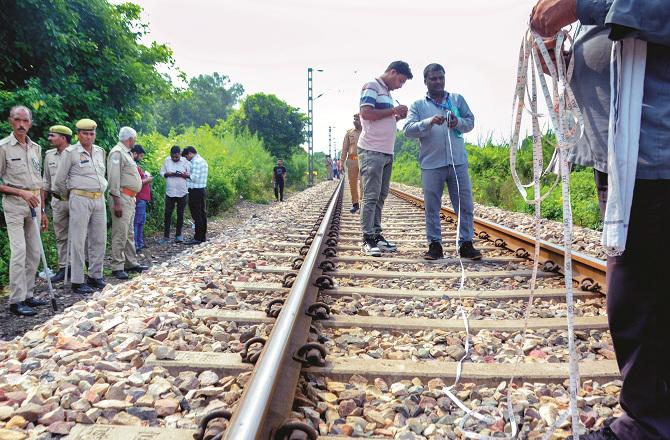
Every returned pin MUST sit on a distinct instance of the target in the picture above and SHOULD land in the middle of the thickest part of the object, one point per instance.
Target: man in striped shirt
(375, 151)
(197, 194)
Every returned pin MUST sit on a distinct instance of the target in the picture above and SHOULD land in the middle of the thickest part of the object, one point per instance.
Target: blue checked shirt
(199, 171)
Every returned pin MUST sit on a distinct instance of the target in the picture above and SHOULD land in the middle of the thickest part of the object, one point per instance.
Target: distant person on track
(375, 151)
(637, 298)
(439, 120)
(197, 194)
(279, 180)
(21, 185)
(329, 167)
(349, 156)
(176, 170)
(142, 199)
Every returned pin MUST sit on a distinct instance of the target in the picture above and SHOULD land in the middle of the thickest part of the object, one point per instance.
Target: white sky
(268, 45)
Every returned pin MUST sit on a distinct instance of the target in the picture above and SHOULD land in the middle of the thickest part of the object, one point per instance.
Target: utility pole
(330, 141)
(310, 128)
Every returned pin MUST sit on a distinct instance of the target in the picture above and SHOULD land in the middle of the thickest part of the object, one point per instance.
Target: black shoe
(35, 302)
(355, 208)
(384, 245)
(60, 276)
(138, 269)
(82, 289)
(434, 251)
(467, 250)
(193, 242)
(96, 283)
(120, 274)
(602, 434)
(21, 309)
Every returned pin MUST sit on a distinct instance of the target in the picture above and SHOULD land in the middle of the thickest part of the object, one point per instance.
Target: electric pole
(310, 128)
(330, 141)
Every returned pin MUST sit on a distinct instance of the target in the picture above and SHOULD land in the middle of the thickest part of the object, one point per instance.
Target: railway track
(338, 344)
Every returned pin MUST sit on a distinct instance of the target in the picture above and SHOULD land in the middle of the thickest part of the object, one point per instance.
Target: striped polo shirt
(377, 135)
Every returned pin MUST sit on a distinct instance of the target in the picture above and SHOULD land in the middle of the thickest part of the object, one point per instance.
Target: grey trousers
(376, 171)
(433, 181)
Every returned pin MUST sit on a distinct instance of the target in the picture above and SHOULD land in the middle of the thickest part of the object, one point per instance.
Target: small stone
(208, 378)
(8, 434)
(166, 407)
(125, 419)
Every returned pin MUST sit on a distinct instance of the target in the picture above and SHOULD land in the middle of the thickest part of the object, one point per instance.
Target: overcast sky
(267, 46)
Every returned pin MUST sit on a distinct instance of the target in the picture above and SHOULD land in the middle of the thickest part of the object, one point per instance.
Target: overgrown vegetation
(492, 182)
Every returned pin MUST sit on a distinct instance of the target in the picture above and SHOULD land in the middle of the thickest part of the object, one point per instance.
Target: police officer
(59, 137)
(124, 184)
(81, 179)
(349, 156)
(20, 171)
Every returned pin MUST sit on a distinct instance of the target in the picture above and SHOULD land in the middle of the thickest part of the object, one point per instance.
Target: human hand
(400, 111)
(453, 121)
(45, 222)
(31, 199)
(437, 120)
(549, 16)
(118, 210)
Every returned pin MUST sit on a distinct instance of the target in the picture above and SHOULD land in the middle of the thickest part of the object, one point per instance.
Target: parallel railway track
(331, 299)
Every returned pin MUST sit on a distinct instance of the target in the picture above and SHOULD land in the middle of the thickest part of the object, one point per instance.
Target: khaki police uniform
(81, 179)
(59, 208)
(124, 182)
(350, 156)
(21, 168)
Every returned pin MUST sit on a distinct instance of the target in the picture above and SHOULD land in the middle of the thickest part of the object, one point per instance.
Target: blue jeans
(140, 219)
(376, 169)
(433, 186)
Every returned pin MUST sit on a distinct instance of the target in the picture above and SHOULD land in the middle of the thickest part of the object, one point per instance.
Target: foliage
(70, 59)
(280, 126)
(492, 182)
(208, 99)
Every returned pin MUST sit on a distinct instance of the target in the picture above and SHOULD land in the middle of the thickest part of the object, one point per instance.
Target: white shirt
(176, 186)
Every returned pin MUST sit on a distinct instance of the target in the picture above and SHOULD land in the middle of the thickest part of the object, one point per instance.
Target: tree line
(70, 59)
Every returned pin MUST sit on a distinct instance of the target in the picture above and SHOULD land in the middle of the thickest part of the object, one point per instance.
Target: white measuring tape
(568, 125)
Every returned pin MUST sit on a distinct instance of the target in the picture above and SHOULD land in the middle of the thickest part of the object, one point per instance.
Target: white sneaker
(384, 245)
(371, 249)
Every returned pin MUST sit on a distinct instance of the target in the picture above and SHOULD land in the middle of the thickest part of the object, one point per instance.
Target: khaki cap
(60, 129)
(86, 124)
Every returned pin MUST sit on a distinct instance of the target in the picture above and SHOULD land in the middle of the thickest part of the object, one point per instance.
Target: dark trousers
(638, 304)
(196, 204)
(279, 189)
(170, 203)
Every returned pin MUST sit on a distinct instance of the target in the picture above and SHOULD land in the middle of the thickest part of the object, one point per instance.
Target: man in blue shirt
(439, 121)
(197, 194)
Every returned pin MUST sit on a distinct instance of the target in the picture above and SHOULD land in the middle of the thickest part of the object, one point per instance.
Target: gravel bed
(421, 410)
(86, 365)
(540, 346)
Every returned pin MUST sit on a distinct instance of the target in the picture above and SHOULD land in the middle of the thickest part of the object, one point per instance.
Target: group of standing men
(77, 177)
(438, 120)
(185, 174)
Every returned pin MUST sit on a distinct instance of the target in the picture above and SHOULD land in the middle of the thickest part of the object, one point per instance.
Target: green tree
(208, 99)
(70, 59)
(280, 126)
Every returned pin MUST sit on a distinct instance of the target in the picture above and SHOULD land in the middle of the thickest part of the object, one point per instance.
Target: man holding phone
(375, 151)
(439, 121)
(176, 170)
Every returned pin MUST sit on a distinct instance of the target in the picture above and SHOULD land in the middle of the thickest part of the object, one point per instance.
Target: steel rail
(589, 272)
(250, 421)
